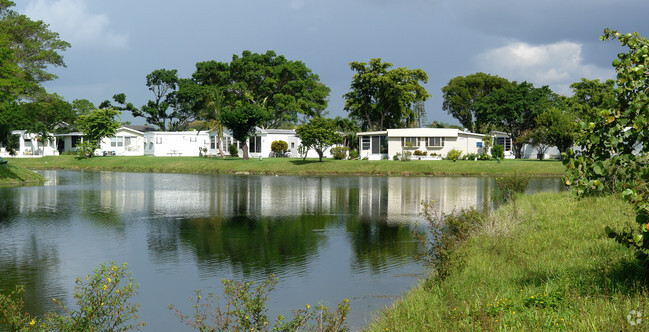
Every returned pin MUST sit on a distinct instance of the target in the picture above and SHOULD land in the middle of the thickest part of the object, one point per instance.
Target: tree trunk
(220, 137)
(245, 151)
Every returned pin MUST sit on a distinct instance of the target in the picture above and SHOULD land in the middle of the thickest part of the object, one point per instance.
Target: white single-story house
(125, 142)
(434, 142)
(260, 144)
(176, 143)
(68, 142)
(30, 144)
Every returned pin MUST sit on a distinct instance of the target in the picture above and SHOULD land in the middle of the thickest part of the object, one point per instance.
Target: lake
(326, 238)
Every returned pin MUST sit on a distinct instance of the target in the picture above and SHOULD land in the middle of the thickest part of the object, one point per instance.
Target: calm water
(326, 238)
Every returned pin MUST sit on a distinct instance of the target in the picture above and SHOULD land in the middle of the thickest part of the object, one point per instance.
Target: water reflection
(327, 238)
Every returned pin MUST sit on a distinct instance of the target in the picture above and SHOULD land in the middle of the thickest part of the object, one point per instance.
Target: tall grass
(12, 175)
(547, 265)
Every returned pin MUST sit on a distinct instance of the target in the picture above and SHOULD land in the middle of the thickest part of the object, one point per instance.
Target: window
(75, 140)
(117, 141)
(410, 142)
(212, 142)
(158, 140)
(254, 144)
(435, 142)
(292, 145)
(506, 142)
(192, 138)
(365, 142)
(129, 140)
(478, 144)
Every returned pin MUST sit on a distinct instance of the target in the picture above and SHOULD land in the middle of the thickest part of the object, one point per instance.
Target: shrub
(234, 152)
(453, 155)
(279, 148)
(86, 149)
(102, 305)
(339, 152)
(498, 151)
(405, 155)
(447, 233)
(507, 187)
(420, 153)
(245, 310)
(396, 156)
(353, 154)
(471, 156)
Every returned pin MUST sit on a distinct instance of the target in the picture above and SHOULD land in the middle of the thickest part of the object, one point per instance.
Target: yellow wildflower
(105, 287)
(109, 280)
(32, 322)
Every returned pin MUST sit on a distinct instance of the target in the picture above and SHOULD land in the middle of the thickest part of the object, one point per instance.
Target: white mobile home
(125, 142)
(431, 141)
(175, 143)
(30, 144)
(259, 145)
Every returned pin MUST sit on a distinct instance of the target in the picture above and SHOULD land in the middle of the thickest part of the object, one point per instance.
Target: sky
(116, 43)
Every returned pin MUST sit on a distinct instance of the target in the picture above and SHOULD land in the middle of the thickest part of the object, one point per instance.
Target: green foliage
(462, 96)
(507, 187)
(319, 134)
(405, 155)
(234, 152)
(453, 155)
(98, 124)
(279, 148)
(446, 233)
(420, 153)
(243, 119)
(557, 128)
(86, 149)
(381, 98)
(353, 154)
(166, 110)
(608, 161)
(339, 152)
(590, 97)
(245, 310)
(102, 305)
(498, 152)
(515, 108)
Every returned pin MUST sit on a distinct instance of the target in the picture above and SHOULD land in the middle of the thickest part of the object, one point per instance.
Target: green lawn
(544, 264)
(13, 175)
(286, 166)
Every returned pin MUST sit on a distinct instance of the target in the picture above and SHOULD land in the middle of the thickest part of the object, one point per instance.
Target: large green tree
(463, 93)
(515, 107)
(559, 126)
(382, 98)
(27, 49)
(319, 134)
(590, 97)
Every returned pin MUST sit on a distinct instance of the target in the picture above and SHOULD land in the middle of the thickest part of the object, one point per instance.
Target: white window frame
(414, 140)
(366, 143)
(431, 142)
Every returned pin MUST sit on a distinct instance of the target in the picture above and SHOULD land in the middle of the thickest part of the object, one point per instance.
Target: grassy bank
(13, 175)
(286, 166)
(544, 264)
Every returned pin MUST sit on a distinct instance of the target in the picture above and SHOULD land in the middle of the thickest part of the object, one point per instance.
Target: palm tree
(211, 114)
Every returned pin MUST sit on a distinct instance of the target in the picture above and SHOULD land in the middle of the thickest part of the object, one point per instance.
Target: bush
(102, 305)
(453, 155)
(339, 152)
(471, 156)
(447, 233)
(279, 148)
(405, 156)
(245, 310)
(234, 152)
(353, 154)
(507, 187)
(420, 153)
(396, 156)
(86, 149)
(498, 151)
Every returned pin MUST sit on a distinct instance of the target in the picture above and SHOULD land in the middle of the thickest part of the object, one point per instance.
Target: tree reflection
(377, 246)
(254, 246)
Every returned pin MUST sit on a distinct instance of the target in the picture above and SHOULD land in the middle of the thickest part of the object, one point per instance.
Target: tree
(319, 134)
(380, 98)
(462, 94)
(559, 128)
(96, 125)
(166, 110)
(615, 145)
(515, 108)
(27, 48)
(349, 128)
(243, 119)
(590, 97)
(420, 113)
(82, 106)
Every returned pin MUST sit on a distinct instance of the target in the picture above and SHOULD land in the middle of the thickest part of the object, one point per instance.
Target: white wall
(176, 143)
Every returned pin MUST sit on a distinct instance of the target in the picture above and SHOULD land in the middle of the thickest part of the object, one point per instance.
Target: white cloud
(72, 20)
(557, 65)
